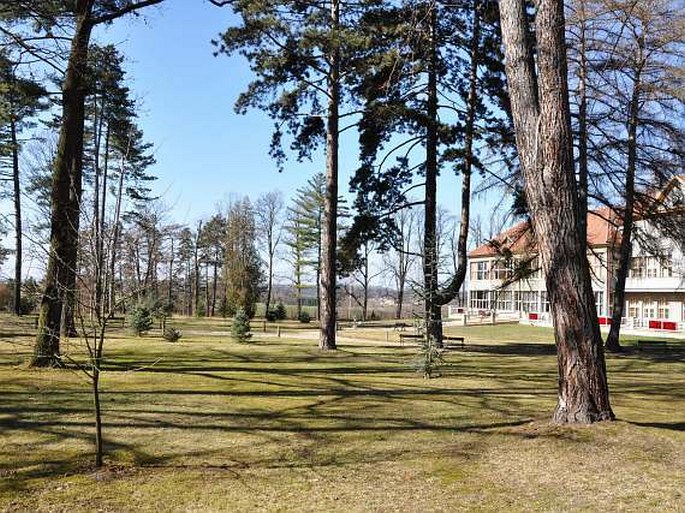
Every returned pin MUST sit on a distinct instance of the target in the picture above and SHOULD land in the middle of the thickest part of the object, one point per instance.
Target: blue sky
(205, 151)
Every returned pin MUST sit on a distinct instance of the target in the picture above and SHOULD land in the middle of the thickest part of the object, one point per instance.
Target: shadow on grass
(668, 354)
(673, 426)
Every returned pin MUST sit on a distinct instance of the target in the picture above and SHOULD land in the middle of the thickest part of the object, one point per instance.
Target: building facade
(504, 275)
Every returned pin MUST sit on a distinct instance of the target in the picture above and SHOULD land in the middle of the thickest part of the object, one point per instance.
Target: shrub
(280, 312)
(304, 318)
(171, 334)
(240, 330)
(140, 320)
(270, 315)
(429, 358)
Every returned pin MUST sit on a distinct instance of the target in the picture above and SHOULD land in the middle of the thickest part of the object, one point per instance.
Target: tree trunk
(541, 116)
(612, 342)
(330, 221)
(170, 284)
(432, 313)
(60, 277)
(582, 127)
(269, 285)
(400, 299)
(196, 268)
(95, 382)
(111, 300)
(451, 291)
(17, 216)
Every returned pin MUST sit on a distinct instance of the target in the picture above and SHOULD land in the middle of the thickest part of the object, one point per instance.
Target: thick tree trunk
(432, 313)
(330, 221)
(543, 136)
(626, 249)
(17, 216)
(60, 277)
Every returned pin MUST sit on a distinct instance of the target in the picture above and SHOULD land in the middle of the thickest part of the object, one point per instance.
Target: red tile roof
(601, 231)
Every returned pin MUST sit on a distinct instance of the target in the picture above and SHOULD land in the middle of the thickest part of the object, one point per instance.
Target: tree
(212, 241)
(538, 89)
(635, 136)
(240, 329)
(268, 212)
(302, 53)
(242, 268)
(402, 255)
(22, 100)
(83, 16)
(297, 244)
(419, 88)
(356, 266)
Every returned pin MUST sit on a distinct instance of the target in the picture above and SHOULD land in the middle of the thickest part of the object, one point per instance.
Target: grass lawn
(206, 424)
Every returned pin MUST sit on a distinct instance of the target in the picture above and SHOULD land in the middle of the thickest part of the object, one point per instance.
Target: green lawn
(206, 424)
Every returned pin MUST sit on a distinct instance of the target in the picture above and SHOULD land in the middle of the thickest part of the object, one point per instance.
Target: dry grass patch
(211, 425)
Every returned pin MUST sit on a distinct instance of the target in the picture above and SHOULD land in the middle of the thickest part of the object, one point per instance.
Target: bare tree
(268, 213)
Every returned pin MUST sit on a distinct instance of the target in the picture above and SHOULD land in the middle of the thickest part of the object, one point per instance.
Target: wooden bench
(461, 340)
(652, 344)
(404, 336)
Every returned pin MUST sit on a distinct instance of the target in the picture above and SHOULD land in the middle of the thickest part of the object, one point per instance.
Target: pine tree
(302, 54)
(416, 86)
(240, 329)
(21, 100)
(67, 179)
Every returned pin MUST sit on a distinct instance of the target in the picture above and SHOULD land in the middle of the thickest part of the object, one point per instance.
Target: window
(599, 302)
(529, 301)
(666, 268)
(505, 301)
(544, 301)
(637, 267)
(501, 270)
(651, 267)
(482, 270)
(534, 268)
(649, 310)
(480, 300)
(597, 266)
(633, 309)
(663, 309)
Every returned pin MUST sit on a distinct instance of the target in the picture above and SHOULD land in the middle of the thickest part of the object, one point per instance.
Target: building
(504, 275)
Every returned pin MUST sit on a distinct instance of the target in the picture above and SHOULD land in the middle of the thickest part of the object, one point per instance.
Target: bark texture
(60, 277)
(329, 234)
(541, 115)
(432, 312)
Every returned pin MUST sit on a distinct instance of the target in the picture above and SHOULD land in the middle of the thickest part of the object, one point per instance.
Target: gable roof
(603, 224)
(601, 231)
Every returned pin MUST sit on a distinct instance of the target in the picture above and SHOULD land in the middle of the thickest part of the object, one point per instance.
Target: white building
(655, 288)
